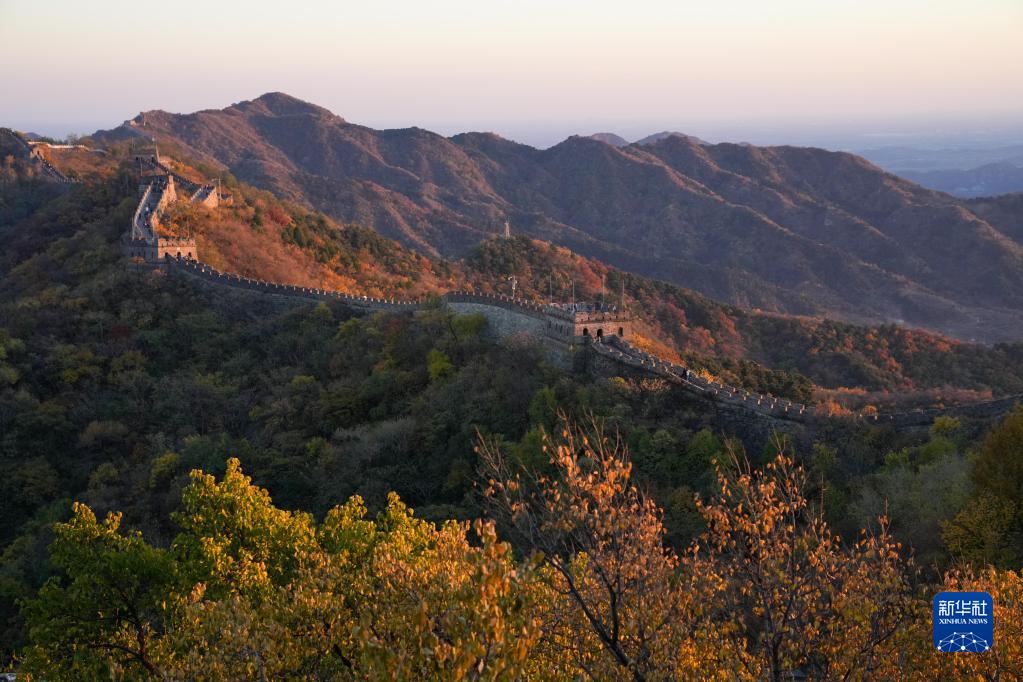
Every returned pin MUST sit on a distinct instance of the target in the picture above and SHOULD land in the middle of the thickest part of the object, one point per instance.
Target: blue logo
(964, 621)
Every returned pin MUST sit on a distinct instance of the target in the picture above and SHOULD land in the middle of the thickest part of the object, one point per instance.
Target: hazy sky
(535, 68)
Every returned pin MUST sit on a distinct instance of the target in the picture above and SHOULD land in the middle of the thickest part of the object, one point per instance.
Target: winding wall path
(527, 317)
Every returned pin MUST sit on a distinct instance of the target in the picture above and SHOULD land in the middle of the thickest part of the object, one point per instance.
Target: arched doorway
(621, 331)
(586, 331)
(600, 334)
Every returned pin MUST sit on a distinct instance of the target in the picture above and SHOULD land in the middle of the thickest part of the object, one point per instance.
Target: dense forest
(589, 587)
(133, 544)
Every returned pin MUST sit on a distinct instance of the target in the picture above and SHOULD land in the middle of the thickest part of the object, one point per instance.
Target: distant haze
(533, 71)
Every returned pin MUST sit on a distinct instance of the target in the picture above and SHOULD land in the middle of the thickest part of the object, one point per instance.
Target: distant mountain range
(961, 172)
(984, 181)
(919, 160)
(796, 230)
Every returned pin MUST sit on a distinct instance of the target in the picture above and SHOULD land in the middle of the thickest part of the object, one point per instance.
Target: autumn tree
(251, 591)
(998, 509)
(614, 608)
(1004, 661)
(781, 595)
(248, 590)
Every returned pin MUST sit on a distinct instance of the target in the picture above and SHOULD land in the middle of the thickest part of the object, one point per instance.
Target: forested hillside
(853, 367)
(115, 384)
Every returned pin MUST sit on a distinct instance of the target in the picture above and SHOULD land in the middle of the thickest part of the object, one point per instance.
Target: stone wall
(168, 194)
(519, 305)
(207, 196)
(49, 171)
(174, 247)
(503, 322)
(201, 271)
(139, 224)
(610, 355)
(576, 326)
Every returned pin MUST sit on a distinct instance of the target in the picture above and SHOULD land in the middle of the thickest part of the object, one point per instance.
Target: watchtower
(146, 154)
(576, 323)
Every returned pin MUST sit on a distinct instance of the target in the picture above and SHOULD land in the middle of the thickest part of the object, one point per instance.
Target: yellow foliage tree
(613, 606)
(250, 591)
(1004, 661)
(779, 593)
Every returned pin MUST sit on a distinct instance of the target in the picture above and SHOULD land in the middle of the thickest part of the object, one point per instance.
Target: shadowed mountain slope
(785, 229)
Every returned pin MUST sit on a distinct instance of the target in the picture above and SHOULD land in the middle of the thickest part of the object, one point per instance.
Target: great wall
(573, 330)
(33, 151)
(599, 335)
(159, 187)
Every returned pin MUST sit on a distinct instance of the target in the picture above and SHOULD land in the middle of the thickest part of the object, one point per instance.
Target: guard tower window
(586, 331)
(621, 331)
(600, 333)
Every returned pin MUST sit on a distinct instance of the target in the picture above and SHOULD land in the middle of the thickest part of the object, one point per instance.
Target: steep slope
(784, 229)
(854, 365)
(409, 184)
(1004, 212)
(115, 384)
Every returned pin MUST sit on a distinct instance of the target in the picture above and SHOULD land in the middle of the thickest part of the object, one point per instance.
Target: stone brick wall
(573, 327)
(167, 194)
(207, 196)
(609, 355)
(201, 271)
(175, 247)
(503, 322)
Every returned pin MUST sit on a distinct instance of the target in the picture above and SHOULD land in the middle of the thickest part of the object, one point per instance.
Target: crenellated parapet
(210, 274)
(621, 353)
(512, 317)
(518, 305)
(206, 195)
(573, 323)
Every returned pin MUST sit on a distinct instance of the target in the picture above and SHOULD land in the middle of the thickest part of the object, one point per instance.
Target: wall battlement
(597, 331)
(511, 317)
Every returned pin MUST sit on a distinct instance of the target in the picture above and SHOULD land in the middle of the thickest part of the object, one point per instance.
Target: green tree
(234, 540)
(438, 364)
(103, 616)
(998, 467)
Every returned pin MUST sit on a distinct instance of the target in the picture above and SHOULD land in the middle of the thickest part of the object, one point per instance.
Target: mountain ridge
(787, 229)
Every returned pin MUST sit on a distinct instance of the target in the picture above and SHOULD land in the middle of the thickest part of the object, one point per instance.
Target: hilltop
(783, 229)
